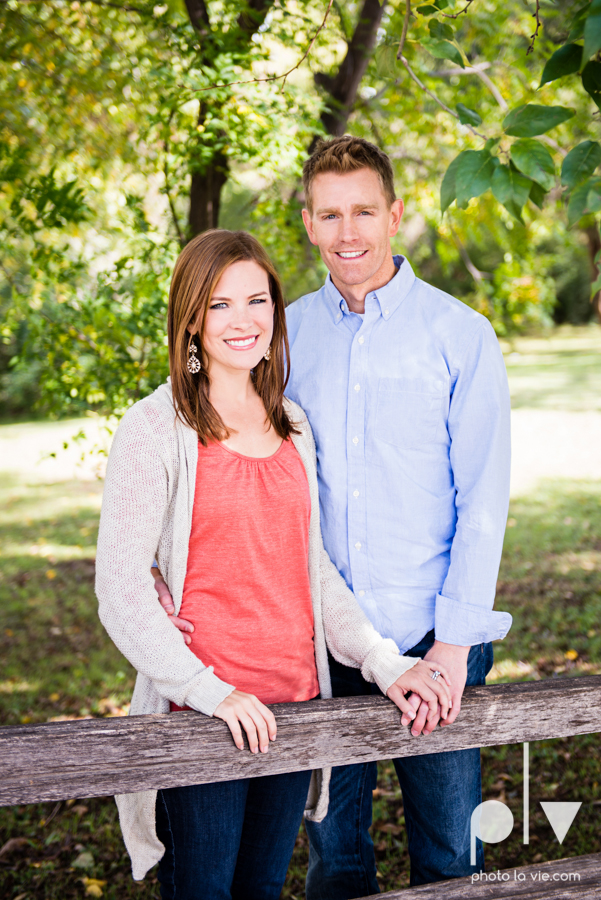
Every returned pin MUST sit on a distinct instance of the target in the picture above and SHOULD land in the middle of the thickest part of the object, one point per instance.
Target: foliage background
(113, 152)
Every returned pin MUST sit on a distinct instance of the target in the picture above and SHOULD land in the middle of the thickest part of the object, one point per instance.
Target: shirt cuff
(465, 624)
(384, 664)
(208, 692)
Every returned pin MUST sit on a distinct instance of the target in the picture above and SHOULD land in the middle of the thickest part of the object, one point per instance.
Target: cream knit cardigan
(147, 514)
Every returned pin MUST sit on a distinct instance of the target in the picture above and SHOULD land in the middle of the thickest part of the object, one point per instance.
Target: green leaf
(474, 174)
(467, 116)
(577, 204)
(491, 143)
(440, 30)
(447, 188)
(386, 61)
(577, 26)
(593, 198)
(580, 163)
(511, 189)
(564, 61)
(441, 4)
(592, 31)
(535, 161)
(427, 10)
(591, 81)
(532, 119)
(596, 286)
(444, 50)
(537, 194)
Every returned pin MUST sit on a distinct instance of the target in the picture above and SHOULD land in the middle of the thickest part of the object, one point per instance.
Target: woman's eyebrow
(250, 297)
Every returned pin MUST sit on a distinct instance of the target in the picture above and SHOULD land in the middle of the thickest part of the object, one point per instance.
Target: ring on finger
(435, 675)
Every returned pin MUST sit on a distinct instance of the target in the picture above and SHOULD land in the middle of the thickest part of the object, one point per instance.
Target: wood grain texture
(542, 882)
(98, 757)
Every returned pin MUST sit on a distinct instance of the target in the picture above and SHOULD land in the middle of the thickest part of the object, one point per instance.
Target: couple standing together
(393, 443)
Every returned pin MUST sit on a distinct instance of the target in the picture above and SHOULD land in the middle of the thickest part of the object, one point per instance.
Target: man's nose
(348, 229)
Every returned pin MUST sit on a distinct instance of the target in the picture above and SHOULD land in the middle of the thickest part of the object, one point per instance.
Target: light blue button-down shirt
(409, 406)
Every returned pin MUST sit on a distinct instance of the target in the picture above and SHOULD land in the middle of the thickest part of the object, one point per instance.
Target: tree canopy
(128, 128)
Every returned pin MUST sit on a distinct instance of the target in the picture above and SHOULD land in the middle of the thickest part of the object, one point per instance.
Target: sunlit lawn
(57, 662)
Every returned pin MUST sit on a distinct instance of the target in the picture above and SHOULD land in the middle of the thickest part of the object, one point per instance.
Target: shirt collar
(388, 298)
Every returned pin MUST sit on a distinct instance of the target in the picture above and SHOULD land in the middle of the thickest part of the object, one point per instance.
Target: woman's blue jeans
(232, 840)
(440, 792)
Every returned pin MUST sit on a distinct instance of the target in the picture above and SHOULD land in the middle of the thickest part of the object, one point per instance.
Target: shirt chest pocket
(408, 412)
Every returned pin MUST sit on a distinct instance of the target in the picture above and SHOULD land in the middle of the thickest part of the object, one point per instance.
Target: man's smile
(350, 254)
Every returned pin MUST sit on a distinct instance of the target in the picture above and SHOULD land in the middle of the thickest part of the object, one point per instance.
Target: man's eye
(331, 216)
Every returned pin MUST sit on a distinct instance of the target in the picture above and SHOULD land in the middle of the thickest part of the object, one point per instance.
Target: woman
(214, 475)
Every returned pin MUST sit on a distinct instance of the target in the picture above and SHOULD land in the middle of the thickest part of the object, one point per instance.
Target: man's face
(352, 225)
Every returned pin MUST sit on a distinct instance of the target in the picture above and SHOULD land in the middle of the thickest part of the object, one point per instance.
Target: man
(406, 392)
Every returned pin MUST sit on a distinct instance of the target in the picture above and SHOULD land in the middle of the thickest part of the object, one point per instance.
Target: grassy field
(58, 663)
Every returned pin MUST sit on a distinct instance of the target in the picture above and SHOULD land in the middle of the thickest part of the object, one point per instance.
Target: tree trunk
(594, 246)
(206, 185)
(205, 195)
(343, 86)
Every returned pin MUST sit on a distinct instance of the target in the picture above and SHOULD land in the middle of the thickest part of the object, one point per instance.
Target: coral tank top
(247, 585)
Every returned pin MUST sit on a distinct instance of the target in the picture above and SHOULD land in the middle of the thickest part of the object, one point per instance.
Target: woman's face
(239, 321)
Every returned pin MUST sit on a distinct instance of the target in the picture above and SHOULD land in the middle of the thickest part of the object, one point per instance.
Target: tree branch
(436, 100)
(284, 75)
(476, 274)
(479, 71)
(405, 27)
(180, 235)
(461, 11)
(533, 37)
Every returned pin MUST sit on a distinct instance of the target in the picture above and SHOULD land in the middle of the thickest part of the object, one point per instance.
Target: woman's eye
(259, 300)
(219, 306)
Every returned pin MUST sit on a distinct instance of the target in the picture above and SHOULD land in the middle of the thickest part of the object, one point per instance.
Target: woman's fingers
(245, 711)
(272, 728)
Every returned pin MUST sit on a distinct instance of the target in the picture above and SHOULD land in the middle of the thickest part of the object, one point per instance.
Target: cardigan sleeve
(134, 510)
(350, 636)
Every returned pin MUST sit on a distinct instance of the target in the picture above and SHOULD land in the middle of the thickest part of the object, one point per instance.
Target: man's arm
(479, 428)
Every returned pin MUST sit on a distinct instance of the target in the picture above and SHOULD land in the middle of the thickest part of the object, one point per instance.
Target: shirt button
(362, 593)
(357, 387)
(358, 545)
(361, 339)
(355, 493)
(386, 312)
(355, 440)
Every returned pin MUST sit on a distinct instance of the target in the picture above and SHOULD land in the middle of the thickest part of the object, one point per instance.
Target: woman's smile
(246, 343)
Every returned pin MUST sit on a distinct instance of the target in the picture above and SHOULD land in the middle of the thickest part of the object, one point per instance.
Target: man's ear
(309, 226)
(396, 214)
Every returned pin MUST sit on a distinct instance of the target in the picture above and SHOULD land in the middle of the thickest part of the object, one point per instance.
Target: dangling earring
(267, 355)
(193, 361)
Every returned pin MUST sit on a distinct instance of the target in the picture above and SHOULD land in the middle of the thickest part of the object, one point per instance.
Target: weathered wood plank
(562, 879)
(97, 757)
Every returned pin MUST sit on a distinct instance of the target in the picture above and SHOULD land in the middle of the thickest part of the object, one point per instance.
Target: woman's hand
(418, 680)
(166, 601)
(240, 709)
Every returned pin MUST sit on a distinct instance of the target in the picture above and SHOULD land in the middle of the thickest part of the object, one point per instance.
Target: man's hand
(166, 602)
(454, 659)
(436, 694)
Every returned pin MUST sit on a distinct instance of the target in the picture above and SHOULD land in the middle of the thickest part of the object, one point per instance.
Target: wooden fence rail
(97, 757)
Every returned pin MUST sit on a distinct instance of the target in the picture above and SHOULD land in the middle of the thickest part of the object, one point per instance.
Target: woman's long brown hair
(197, 271)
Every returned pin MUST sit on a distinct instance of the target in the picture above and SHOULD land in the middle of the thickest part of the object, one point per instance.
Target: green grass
(58, 662)
(560, 371)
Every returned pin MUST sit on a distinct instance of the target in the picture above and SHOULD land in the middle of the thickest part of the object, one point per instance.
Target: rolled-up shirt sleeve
(479, 429)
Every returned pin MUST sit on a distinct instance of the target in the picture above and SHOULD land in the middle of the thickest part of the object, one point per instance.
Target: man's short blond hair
(347, 154)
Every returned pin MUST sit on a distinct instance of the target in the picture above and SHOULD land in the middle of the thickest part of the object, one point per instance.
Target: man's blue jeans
(440, 792)
(232, 840)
